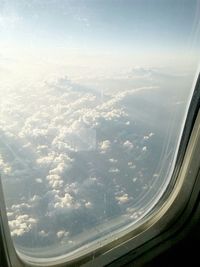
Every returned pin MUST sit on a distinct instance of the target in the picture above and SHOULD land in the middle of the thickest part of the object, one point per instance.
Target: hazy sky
(140, 30)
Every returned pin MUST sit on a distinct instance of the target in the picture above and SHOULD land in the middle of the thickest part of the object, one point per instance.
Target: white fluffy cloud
(72, 155)
(127, 144)
(22, 224)
(104, 145)
(123, 198)
(4, 167)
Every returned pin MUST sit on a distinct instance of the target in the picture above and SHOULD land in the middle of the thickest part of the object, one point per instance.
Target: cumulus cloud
(22, 224)
(128, 144)
(65, 201)
(114, 170)
(123, 198)
(113, 160)
(4, 167)
(144, 148)
(74, 158)
(62, 233)
(104, 145)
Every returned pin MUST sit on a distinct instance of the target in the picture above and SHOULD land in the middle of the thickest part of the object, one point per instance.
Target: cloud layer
(73, 158)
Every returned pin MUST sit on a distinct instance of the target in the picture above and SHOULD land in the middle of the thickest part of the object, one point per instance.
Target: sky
(98, 31)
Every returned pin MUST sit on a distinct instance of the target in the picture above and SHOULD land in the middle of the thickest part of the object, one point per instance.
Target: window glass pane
(93, 99)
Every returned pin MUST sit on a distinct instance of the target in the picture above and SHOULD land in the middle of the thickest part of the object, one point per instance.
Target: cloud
(22, 224)
(144, 148)
(113, 160)
(123, 198)
(4, 167)
(43, 234)
(62, 233)
(142, 72)
(127, 144)
(62, 202)
(114, 170)
(76, 159)
(104, 145)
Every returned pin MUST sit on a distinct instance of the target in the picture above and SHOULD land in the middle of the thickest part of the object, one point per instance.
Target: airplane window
(93, 100)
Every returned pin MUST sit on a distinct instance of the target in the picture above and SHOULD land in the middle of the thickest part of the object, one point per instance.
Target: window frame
(164, 221)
